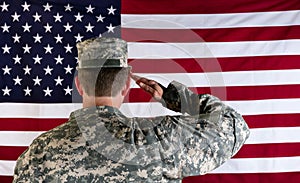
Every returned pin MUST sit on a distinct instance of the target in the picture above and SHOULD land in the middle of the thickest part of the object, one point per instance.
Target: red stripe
(6, 179)
(11, 153)
(291, 177)
(253, 121)
(29, 124)
(209, 7)
(193, 65)
(247, 151)
(231, 93)
(269, 150)
(273, 120)
(211, 35)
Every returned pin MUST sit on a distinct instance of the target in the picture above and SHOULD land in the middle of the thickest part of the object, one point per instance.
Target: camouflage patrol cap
(102, 52)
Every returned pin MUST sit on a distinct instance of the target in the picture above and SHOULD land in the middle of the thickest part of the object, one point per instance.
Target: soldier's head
(102, 67)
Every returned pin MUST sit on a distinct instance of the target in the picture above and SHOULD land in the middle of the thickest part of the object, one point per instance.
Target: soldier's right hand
(150, 86)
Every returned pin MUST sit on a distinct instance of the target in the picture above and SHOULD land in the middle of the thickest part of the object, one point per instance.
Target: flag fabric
(245, 52)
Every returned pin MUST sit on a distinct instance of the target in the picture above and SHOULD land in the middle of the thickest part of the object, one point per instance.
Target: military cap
(102, 52)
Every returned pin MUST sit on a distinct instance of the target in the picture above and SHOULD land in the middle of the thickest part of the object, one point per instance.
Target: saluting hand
(150, 86)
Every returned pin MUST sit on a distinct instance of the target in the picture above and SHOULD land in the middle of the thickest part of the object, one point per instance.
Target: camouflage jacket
(100, 144)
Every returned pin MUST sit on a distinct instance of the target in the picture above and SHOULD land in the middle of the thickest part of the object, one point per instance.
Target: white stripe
(274, 135)
(258, 136)
(137, 50)
(32, 110)
(7, 167)
(260, 165)
(250, 107)
(150, 109)
(233, 78)
(206, 21)
(241, 165)
(18, 138)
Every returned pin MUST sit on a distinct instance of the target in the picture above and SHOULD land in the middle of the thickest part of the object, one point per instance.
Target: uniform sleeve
(217, 130)
(27, 167)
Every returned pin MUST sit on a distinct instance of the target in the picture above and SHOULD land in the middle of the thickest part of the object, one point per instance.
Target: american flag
(245, 52)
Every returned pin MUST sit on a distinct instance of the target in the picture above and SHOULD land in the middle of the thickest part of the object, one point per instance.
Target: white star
(89, 28)
(68, 69)
(47, 7)
(58, 39)
(15, 17)
(4, 6)
(16, 38)
(5, 28)
(27, 70)
(59, 59)
(6, 70)
(58, 81)
(68, 27)
(57, 17)
(6, 49)
(111, 10)
(48, 49)
(37, 38)
(68, 90)
(27, 91)
(25, 6)
(89, 9)
(68, 48)
(26, 27)
(17, 59)
(100, 18)
(6, 91)
(17, 80)
(37, 59)
(48, 27)
(48, 70)
(37, 81)
(26, 49)
(48, 91)
(110, 28)
(37, 17)
(78, 17)
(68, 8)
(78, 37)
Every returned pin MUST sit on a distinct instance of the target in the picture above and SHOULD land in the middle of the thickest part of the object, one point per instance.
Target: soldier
(100, 144)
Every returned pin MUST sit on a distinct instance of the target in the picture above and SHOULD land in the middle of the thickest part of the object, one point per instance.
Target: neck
(101, 101)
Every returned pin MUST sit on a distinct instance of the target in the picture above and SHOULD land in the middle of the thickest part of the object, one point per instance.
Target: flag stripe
(231, 93)
(240, 165)
(260, 165)
(291, 177)
(258, 136)
(273, 120)
(198, 65)
(247, 151)
(269, 150)
(209, 7)
(253, 121)
(11, 152)
(213, 49)
(29, 124)
(241, 78)
(211, 35)
(251, 107)
(209, 21)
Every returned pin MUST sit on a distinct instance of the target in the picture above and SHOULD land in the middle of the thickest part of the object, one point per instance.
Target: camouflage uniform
(100, 144)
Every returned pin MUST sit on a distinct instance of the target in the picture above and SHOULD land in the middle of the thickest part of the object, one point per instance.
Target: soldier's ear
(126, 87)
(78, 86)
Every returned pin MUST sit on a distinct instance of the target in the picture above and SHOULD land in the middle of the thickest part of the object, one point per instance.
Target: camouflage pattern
(100, 144)
(102, 52)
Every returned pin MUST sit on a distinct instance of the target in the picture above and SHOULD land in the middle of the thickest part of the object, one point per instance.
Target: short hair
(103, 81)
